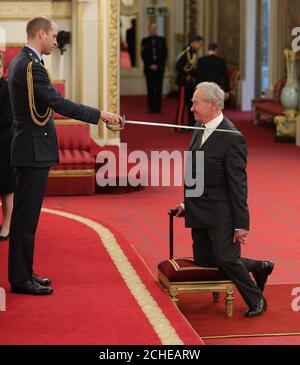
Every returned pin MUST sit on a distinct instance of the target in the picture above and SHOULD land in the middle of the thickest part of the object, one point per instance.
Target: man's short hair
(212, 91)
(196, 38)
(38, 23)
(212, 46)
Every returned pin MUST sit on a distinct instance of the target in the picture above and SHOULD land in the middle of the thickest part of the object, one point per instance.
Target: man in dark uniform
(34, 147)
(219, 218)
(154, 53)
(186, 67)
(213, 68)
(130, 40)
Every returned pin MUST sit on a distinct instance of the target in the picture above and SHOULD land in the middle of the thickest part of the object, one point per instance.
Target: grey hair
(212, 91)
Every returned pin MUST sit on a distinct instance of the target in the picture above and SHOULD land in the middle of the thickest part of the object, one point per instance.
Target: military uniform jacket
(34, 145)
(186, 65)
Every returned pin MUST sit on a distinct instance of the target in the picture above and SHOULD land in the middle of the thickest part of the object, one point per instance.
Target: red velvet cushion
(270, 107)
(9, 53)
(179, 270)
(73, 137)
(60, 86)
(75, 157)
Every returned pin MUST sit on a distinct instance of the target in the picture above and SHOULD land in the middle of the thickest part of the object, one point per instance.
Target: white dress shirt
(35, 51)
(213, 124)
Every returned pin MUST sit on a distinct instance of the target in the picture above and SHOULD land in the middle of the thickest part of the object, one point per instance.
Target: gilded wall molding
(109, 48)
(79, 50)
(62, 9)
(113, 62)
(24, 10)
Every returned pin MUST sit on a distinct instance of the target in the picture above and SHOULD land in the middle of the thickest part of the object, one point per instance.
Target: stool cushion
(184, 269)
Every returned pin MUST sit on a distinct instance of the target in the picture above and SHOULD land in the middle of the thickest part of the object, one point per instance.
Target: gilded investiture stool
(183, 275)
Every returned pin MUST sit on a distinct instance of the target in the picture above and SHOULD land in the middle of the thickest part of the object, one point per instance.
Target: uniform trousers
(29, 193)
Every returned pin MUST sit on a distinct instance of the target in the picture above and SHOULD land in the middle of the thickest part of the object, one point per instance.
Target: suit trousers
(29, 193)
(154, 80)
(213, 246)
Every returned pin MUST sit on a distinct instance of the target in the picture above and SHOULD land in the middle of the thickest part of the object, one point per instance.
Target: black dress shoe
(41, 281)
(31, 287)
(258, 309)
(262, 274)
(4, 238)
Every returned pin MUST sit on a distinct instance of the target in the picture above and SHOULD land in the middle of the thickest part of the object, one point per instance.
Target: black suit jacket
(225, 181)
(5, 112)
(33, 145)
(213, 68)
(160, 52)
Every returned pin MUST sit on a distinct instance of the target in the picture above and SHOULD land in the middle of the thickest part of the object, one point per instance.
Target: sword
(119, 127)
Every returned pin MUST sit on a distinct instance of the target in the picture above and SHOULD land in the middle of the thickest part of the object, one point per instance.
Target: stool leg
(173, 294)
(216, 297)
(229, 301)
(162, 285)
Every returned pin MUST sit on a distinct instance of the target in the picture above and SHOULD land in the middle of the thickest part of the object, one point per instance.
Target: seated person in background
(213, 68)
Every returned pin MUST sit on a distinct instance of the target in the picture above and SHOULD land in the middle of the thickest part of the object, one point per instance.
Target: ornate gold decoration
(192, 16)
(109, 19)
(178, 268)
(33, 111)
(115, 127)
(290, 57)
(161, 325)
(12, 10)
(113, 62)
(79, 50)
(214, 286)
(286, 125)
(71, 173)
(62, 9)
(24, 9)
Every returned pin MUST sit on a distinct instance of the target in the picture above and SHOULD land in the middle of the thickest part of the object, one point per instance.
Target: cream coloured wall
(132, 80)
(14, 16)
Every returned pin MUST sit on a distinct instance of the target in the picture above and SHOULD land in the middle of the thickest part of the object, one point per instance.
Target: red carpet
(91, 304)
(209, 319)
(274, 194)
(274, 198)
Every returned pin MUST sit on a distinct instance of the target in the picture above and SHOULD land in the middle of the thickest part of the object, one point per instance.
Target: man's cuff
(182, 206)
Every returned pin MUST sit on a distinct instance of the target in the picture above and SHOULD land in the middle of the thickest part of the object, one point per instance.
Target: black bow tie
(42, 62)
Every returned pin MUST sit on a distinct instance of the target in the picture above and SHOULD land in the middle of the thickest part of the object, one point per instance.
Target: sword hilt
(116, 127)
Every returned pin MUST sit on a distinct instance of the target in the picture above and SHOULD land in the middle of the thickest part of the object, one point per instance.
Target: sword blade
(167, 125)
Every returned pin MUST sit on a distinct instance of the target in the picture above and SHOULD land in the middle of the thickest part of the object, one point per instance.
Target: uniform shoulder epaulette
(183, 52)
(38, 119)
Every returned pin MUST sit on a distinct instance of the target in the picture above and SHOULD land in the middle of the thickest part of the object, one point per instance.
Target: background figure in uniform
(154, 53)
(219, 217)
(7, 181)
(213, 68)
(34, 146)
(186, 67)
(130, 40)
